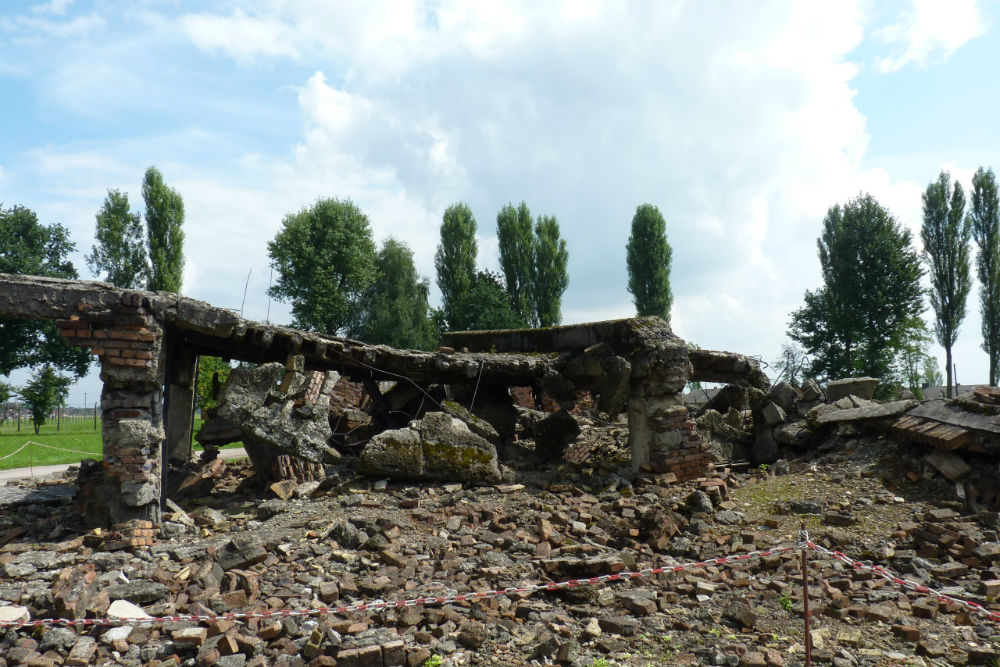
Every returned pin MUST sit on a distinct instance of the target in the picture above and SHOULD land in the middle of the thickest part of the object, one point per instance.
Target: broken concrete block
(391, 453)
(477, 425)
(773, 414)
(866, 412)
(784, 395)
(811, 391)
(863, 387)
(796, 433)
(437, 447)
(453, 452)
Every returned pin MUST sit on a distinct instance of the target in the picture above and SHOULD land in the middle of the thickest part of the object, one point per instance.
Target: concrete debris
(863, 387)
(437, 447)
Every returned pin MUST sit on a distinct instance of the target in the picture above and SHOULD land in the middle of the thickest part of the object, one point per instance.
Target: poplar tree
(945, 233)
(516, 243)
(649, 257)
(164, 236)
(455, 263)
(550, 278)
(119, 255)
(984, 217)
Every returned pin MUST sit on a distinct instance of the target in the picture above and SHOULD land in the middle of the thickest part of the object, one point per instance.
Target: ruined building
(148, 344)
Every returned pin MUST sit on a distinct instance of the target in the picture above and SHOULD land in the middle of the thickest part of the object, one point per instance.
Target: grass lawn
(75, 440)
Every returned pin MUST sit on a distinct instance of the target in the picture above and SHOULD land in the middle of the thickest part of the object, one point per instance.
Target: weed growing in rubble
(600, 662)
(786, 602)
(433, 661)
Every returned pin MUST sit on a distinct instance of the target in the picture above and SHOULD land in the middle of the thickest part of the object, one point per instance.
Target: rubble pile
(355, 539)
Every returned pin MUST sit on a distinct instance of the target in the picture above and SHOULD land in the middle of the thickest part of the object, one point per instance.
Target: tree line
(330, 271)
(866, 319)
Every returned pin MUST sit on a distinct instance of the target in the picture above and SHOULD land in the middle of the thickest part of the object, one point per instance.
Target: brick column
(128, 344)
(661, 436)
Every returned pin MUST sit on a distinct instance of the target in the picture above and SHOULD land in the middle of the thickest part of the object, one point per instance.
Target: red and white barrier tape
(906, 583)
(379, 605)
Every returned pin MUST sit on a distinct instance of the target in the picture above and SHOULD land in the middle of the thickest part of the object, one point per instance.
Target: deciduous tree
(649, 257)
(455, 263)
(984, 218)
(45, 392)
(325, 260)
(871, 300)
(517, 258)
(164, 233)
(30, 248)
(945, 234)
(119, 255)
(550, 278)
(398, 313)
(488, 306)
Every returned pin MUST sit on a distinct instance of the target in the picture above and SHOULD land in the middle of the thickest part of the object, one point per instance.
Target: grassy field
(75, 440)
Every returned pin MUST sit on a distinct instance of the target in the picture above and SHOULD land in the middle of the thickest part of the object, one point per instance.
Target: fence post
(804, 545)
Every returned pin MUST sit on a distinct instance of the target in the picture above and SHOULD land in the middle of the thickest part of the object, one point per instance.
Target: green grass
(76, 435)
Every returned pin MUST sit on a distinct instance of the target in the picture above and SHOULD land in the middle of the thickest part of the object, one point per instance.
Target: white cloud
(930, 31)
(54, 7)
(240, 36)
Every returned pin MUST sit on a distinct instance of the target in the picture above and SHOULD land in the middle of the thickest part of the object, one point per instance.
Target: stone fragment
(740, 613)
(796, 433)
(618, 625)
(82, 652)
(241, 552)
(472, 634)
(784, 396)
(139, 592)
(395, 453)
(907, 632)
(773, 414)
(14, 613)
(477, 425)
(125, 609)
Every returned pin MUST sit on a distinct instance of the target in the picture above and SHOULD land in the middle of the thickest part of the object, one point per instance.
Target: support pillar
(179, 404)
(129, 344)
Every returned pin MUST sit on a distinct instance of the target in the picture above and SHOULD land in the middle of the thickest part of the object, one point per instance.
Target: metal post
(805, 592)
(95, 416)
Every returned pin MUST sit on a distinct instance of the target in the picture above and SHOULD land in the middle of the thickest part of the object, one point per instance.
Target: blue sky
(743, 122)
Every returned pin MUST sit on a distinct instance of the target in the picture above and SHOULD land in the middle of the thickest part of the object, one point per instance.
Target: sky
(743, 122)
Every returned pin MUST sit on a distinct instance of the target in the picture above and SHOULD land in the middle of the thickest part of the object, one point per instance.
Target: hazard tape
(906, 583)
(379, 605)
(15, 451)
(61, 449)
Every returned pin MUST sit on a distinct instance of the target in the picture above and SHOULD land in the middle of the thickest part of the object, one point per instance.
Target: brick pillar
(128, 343)
(661, 436)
